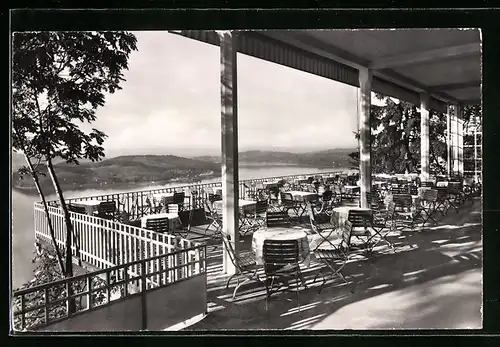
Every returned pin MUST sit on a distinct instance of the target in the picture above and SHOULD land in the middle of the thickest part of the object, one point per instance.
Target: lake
(23, 236)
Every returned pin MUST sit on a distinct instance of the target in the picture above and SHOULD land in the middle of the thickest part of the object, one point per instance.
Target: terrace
(423, 263)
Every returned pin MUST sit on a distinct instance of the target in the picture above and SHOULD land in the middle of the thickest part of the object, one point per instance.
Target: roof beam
(455, 86)
(319, 47)
(426, 56)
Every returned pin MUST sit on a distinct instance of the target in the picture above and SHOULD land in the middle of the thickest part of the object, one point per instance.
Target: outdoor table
(341, 214)
(351, 189)
(91, 206)
(442, 184)
(303, 196)
(245, 205)
(281, 233)
(173, 220)
(270, 184)
(217, 191)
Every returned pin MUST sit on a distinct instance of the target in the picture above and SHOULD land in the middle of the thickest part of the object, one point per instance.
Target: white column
(424, 136)
(454, 139)
(449, 152)
(364, 101)
(229, 137)
(460, 140)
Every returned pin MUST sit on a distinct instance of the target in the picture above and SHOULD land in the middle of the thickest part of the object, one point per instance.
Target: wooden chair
(282, 263)
(336, 255)
(402, 211)
(173, 208)
(77, 209)
(214, 217)
(244, 263)
(288, 203)
(361, 221)
(178, 199)
(159, 225)
(278, 219)
(325, 203)
(428, 205)
(106, 210)
(260, 214)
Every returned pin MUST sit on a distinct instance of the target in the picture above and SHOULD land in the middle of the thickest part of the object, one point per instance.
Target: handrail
(109, 269)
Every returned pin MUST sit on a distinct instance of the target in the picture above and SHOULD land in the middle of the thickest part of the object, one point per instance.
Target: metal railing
(41, 305)
(137, 204)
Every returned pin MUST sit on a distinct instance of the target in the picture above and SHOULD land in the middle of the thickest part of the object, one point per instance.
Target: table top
(351, 187)
(300, 193)
(160, 215)
(163, 195)
(349, 208)
(281, 233)
(241, 202)
(88, 202)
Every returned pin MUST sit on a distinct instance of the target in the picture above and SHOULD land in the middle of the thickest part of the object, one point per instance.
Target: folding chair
(442, 203)
(106, 210)
(277, 219)
(281, 263)
(289, 203)
(428, 199)
(173, 208)
(244, 264)
(178, 199)
(381, 217)
(335, 256)
(260, 214)
(77, 209)
(325, 203)
(215, 218)
(159, 225)
(455, 197)
(402, 211)
(361, 221)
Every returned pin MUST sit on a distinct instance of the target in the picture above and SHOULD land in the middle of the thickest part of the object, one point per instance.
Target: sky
(170, 103)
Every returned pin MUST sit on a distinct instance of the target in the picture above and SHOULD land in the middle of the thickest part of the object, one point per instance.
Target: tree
(59, 79)
(395, 138)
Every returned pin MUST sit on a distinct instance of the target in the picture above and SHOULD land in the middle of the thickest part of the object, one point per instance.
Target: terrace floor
(432, 281)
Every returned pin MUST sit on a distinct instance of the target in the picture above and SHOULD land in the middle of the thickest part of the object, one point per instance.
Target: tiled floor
(433, 280)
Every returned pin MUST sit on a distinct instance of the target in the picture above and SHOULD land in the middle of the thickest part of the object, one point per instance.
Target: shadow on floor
(433, 280)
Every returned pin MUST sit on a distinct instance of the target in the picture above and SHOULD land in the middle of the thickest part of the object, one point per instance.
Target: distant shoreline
(181, 181)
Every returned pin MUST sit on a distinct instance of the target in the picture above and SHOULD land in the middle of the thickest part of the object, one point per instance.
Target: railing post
(143, 296)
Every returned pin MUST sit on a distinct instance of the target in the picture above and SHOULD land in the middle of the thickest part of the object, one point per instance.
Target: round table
(340, 214)
(298, 234)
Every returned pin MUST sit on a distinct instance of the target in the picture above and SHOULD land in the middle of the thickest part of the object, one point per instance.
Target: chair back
(214, 197)
(360, 218)
(77, 209)
(427, 184)
(402, 201)
(277, 219)
(261, 206)
(427, 194)
(327, 195)
(412, 189)
(173, 208)
(178, 198)
(346, 235)
(106, 209)
(279, 253)
(160, 225)
(226, 240)
(286, 198)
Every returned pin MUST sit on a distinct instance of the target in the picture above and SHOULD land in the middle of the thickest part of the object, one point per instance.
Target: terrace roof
(446, 63)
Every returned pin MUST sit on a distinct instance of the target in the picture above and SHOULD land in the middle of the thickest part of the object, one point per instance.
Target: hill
(317, 159)
(128, 169)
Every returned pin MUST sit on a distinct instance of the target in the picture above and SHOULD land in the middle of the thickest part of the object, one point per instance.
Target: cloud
(171, 99)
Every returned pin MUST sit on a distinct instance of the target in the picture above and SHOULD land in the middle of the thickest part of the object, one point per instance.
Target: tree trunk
(67, 220)
(46, 209)
(69, 233)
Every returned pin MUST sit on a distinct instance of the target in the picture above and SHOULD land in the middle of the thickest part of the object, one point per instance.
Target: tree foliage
(59, 79)
(395, 138)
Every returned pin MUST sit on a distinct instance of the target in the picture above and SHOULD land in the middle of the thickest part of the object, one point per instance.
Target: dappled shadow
(432, 281)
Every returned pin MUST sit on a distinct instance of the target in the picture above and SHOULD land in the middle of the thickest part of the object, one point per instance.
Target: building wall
(165, 307)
